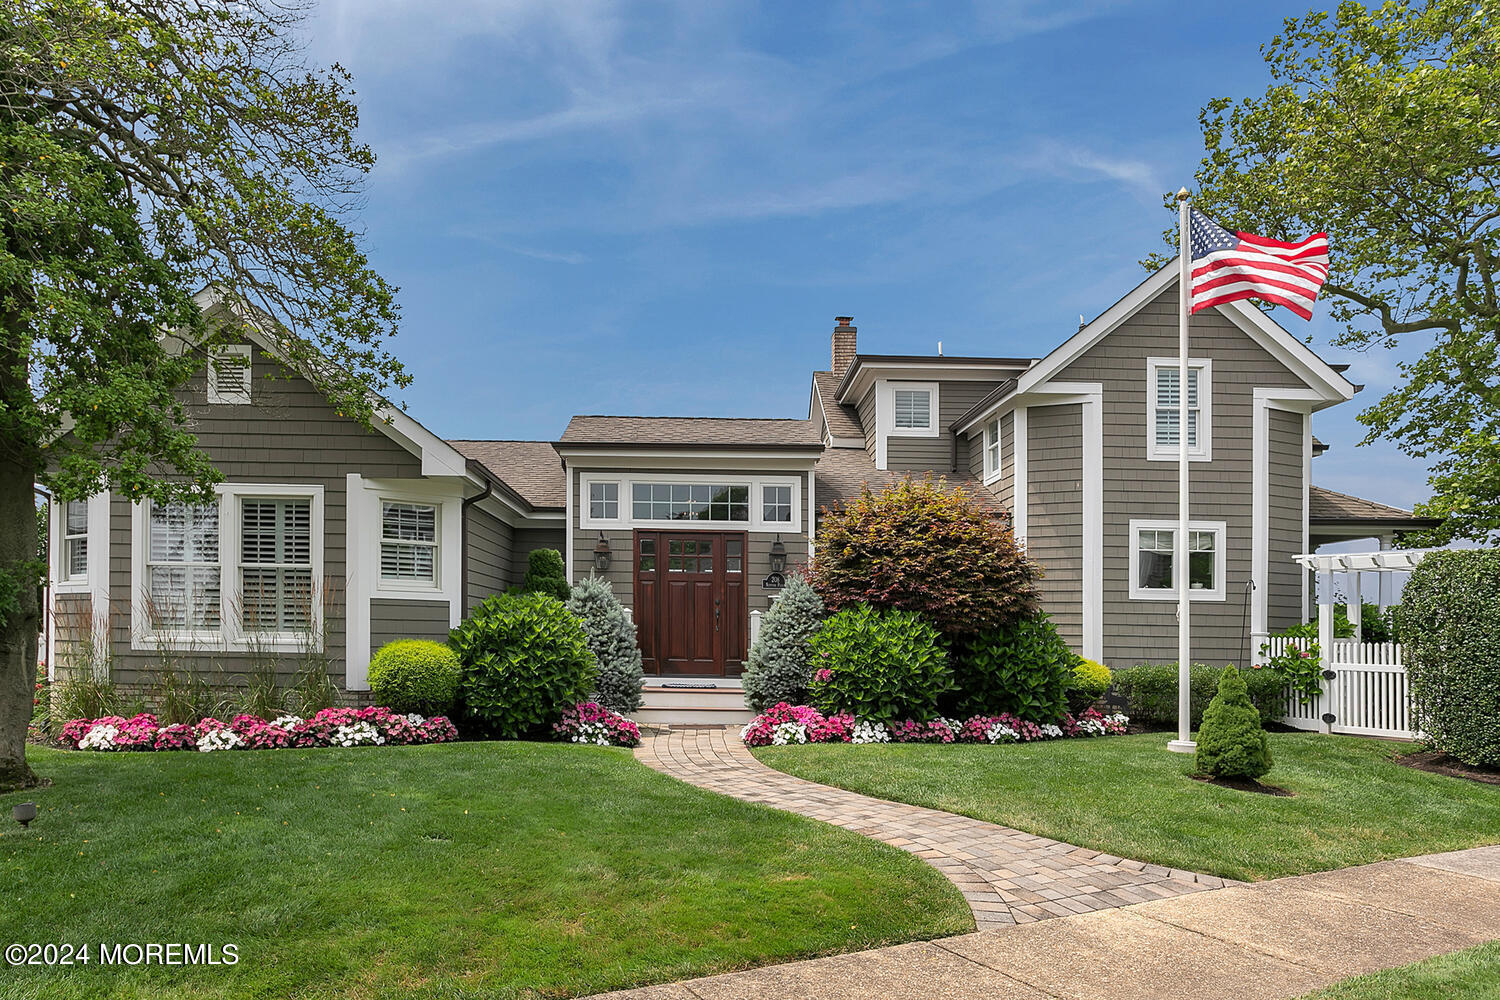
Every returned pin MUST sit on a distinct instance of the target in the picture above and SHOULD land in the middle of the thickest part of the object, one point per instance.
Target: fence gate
(1366, 695)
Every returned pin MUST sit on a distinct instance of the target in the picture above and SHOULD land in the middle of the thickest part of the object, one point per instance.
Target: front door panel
(690, 601)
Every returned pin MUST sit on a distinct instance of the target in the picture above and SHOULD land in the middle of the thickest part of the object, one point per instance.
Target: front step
(700, 701)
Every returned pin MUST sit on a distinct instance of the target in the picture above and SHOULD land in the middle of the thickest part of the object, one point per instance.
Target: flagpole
(1184, 742)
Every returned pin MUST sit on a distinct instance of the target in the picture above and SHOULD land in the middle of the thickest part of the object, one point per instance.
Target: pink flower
(823, 676)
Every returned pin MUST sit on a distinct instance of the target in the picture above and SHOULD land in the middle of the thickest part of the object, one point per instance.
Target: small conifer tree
(611, 636)
(1231, 742)
(545, 575)
(780, 665)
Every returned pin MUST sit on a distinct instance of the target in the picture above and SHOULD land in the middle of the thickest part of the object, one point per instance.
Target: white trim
(1220, 528)
(568, 528)
(95, 578)
(1260, 514)
(1203, 451)
(991, 474)
(840, 442)
(812, 513)
(230, 635)
(234, 397)
(412, 585)
(885, 414)
(1307, 454)
(1381, 561)
(590, 457)
(1018, 448)
(359, 567)
(627, 520)
(1093, 527)
(866, 371)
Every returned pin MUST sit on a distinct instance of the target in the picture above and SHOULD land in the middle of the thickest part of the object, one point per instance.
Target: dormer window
(992, 450)
(913, 409)
(229, 374)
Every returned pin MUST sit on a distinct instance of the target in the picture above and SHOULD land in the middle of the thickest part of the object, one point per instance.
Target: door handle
(716, 614)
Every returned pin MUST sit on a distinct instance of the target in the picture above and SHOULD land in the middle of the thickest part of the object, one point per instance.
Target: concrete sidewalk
(1264, 941)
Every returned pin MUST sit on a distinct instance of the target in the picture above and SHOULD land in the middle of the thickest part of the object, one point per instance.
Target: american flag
(1229, 266)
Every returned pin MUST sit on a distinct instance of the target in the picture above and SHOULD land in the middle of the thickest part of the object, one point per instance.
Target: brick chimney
(844, 344)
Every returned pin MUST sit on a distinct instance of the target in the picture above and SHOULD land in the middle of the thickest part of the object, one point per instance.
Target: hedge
(1149, 692)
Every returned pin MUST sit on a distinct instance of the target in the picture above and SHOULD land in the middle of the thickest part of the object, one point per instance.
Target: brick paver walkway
(1008, 877)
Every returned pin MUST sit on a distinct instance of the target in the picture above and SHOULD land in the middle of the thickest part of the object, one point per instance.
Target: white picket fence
(1367, 696)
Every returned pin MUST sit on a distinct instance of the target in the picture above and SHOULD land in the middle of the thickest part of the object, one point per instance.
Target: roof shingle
(530, 468)
(1324, 505)
(842, 473)
(843, 419)
(680, 432)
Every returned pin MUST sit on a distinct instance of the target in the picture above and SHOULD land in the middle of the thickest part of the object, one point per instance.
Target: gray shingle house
(331, 537)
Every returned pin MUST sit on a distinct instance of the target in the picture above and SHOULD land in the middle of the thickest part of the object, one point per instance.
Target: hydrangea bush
(332, 727)
(788, 725)
(590, 722)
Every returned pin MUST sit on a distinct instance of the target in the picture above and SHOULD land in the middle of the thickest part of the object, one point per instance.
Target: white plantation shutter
(408, 541)
(1167, 403)
(276, 565)
(912, 408)
(182, 565)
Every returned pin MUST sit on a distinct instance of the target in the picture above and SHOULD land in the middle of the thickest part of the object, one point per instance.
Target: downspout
(953, 462)
(463, 549)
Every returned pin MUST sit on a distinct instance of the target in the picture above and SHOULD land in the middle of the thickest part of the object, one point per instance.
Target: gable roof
(1324, 379)
(531, 469)
(691, 432)
(843, 419)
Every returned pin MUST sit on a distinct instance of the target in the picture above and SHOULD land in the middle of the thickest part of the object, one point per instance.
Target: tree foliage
(1379, 126)
(149, 150)
(920, 546)
(780, 664)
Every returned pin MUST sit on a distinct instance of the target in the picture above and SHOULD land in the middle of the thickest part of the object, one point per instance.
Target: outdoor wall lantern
(24, 812)
(778, 556)
(601, 554)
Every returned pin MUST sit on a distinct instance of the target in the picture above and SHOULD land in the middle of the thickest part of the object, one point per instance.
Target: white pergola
(1325, 564)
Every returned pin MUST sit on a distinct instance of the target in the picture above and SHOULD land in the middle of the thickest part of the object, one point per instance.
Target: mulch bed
(1245, 785)
(1438, 762)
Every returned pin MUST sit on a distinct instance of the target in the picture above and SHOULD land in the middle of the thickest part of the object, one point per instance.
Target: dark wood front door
(690, 601)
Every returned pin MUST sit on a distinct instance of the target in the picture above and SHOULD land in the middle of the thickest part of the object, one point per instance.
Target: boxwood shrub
(1231, 742)
(415, 675)
(1449, 621)
(525, 659)
(1087, 685)
(882, 665)
(1149, 692)
(1022, 669)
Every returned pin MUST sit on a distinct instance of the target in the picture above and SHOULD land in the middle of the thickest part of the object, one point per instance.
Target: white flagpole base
(1182, 746)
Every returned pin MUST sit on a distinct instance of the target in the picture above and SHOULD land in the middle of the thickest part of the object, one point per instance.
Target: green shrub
(1022, 668)
(1087, 685)
(1449, 622)
(416, 675)
(545, 575)
(87, 697)
(1231, 742)
(780, 664)
(922, 547)
(1149, 692)
(884, 665)
(611, 638)
(525, 658)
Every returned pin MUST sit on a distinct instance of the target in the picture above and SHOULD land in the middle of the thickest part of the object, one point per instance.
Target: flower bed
(784, 725)
(587, 722)
(332, 727)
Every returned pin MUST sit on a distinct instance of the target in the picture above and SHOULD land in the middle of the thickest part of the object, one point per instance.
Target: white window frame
(236, 397)
(96, 578)
(230, 635)
(408, 584)
(993, 459)
(1203, 451)
(65, 567)
(1220, 531)
(618, 500)
(627, 519)
(791, 501)
(885, 403)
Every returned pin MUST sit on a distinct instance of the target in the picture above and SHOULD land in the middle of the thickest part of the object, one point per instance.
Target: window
(604, 501)
(689, 502)
(1152, 560)
(1162, 430)
(913, 409)
(229, 374)
(75, 546)
(182, 564)
(777, 503)
(275, 565)
(991, 450)
(408, 542)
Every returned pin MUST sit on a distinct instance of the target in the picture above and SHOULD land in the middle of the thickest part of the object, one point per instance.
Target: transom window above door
(604, 501)
(690, 502)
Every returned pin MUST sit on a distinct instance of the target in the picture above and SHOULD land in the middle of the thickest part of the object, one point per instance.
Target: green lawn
(1127, 795)
(1465, 975)
(466, 870)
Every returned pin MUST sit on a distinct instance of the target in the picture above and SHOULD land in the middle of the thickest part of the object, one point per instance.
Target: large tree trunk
(18, 630)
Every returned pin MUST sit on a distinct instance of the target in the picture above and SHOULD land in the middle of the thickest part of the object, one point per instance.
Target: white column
(1354, 605)
(1184, 742)
(754, 626)
(1325, 640)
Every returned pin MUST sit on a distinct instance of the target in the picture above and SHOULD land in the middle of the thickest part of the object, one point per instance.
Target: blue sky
(659, 208)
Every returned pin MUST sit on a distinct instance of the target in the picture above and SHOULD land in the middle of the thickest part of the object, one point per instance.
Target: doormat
(695, 687)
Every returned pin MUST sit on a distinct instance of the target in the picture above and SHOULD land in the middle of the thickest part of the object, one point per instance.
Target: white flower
(99, 737)
(870, 732)
(356, 734)
(1119, 718)
(596, 733)
(999, 732)
(787, 733)
(1050, 731)
(287, 722)
(220, 739)
(415, 719)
